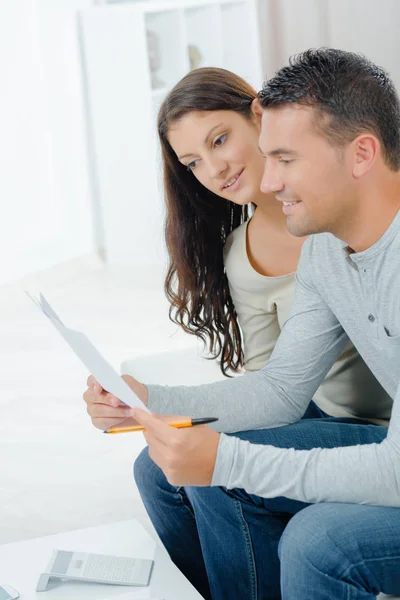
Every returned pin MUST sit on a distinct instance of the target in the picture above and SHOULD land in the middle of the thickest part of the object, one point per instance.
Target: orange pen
(177, 424)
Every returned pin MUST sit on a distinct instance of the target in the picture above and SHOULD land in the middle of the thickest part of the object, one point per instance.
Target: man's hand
(106, 410)
(186, 456)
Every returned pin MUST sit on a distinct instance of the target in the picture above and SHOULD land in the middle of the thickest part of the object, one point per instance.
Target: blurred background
(82, 216)
(81, 83)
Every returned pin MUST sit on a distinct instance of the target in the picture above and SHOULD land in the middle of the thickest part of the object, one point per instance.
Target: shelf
(237, 39)
(203, 36)
(163, 5)
(164, 45)
(159, 93)
(157, 98)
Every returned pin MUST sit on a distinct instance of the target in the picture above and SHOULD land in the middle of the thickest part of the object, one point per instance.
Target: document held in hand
(91, 357)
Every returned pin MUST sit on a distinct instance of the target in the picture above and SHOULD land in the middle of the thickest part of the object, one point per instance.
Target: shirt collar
(355, 258)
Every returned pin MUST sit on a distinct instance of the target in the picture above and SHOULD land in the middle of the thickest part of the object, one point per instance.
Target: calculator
(96, 568)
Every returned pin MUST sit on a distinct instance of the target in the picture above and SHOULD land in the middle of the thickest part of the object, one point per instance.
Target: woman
(231, 276)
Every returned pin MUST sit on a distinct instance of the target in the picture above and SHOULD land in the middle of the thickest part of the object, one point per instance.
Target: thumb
(153, 424)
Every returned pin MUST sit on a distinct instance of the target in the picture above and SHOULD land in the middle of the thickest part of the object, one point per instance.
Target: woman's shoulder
(235, 243)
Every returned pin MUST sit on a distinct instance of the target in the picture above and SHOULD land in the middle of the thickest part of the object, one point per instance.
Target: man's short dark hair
(352, 95)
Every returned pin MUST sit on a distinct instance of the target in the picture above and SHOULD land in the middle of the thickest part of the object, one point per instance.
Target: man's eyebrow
(278, 151)
(205, 141)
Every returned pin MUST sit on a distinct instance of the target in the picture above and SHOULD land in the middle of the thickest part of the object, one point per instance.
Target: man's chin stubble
(300, 230)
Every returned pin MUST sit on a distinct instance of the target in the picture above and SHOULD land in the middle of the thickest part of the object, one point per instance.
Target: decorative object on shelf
(194, 57)
(153, 46)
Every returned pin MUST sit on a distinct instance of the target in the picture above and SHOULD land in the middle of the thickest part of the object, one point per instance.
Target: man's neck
(372, 218)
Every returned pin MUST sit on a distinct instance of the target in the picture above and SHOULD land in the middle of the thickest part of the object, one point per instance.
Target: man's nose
(271, 181)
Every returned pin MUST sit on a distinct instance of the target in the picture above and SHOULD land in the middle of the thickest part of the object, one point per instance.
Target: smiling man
(307, 174)
(294, 507)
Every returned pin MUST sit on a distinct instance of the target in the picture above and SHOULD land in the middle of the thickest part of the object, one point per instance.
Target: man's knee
(140, 466)
(145, 471)
(210, 498)
(315, 537)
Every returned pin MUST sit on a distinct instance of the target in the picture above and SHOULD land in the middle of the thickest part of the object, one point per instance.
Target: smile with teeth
(232, 181)
(290, 203)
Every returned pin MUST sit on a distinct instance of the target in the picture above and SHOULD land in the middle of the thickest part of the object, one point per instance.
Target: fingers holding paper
(105, 409)
(102, 414)
(186, 456)
(135, 385)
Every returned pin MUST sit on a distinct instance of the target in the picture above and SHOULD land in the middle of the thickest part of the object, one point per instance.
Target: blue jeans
(236, 546)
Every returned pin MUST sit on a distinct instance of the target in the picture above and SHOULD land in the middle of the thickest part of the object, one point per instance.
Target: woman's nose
(217, 167)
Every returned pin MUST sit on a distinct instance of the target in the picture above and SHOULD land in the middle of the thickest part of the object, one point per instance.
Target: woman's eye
(221, 140)
(190, 166)
(286, 161)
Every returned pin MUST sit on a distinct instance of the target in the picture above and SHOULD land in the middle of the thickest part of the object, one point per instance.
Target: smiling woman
(209, 139)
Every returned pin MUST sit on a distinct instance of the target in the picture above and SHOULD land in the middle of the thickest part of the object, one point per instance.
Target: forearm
(309, 344)
(251, 401)
(276, 395)
(363, 474)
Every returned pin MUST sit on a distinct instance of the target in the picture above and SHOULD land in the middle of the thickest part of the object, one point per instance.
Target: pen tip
(204, 420)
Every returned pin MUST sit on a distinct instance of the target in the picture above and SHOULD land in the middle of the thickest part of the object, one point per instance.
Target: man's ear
(257, 111)
(366, 150)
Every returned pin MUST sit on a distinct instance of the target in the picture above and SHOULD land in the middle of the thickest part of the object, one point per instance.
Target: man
(309, 509)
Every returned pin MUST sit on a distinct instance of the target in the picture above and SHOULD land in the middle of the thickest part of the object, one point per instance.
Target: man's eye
(221, 140)
(286, 161)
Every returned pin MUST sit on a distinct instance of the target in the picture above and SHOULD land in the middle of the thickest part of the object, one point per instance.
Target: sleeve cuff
(224, 460)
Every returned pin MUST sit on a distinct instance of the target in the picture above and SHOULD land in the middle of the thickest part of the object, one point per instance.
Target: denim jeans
(236, 546)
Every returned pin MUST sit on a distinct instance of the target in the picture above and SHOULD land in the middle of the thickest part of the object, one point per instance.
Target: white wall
(45, 192)
(370, 27)
(367, 26)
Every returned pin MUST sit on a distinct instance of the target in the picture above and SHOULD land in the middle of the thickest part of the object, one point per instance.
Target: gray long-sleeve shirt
(338, 296)
(263, 305)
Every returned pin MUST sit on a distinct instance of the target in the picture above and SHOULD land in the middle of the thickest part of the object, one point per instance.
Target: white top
(263, 305)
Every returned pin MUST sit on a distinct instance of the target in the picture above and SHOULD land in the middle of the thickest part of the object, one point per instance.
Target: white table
(22, 562)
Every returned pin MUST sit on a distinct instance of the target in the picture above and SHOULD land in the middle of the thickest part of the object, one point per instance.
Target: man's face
(306, 173)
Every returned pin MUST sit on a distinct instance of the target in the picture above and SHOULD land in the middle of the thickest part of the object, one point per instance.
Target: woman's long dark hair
(198, 221)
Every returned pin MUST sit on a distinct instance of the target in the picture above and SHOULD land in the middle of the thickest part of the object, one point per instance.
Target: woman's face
(221, 149)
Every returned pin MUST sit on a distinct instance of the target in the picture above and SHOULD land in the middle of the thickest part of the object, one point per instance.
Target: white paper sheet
(101, 370)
